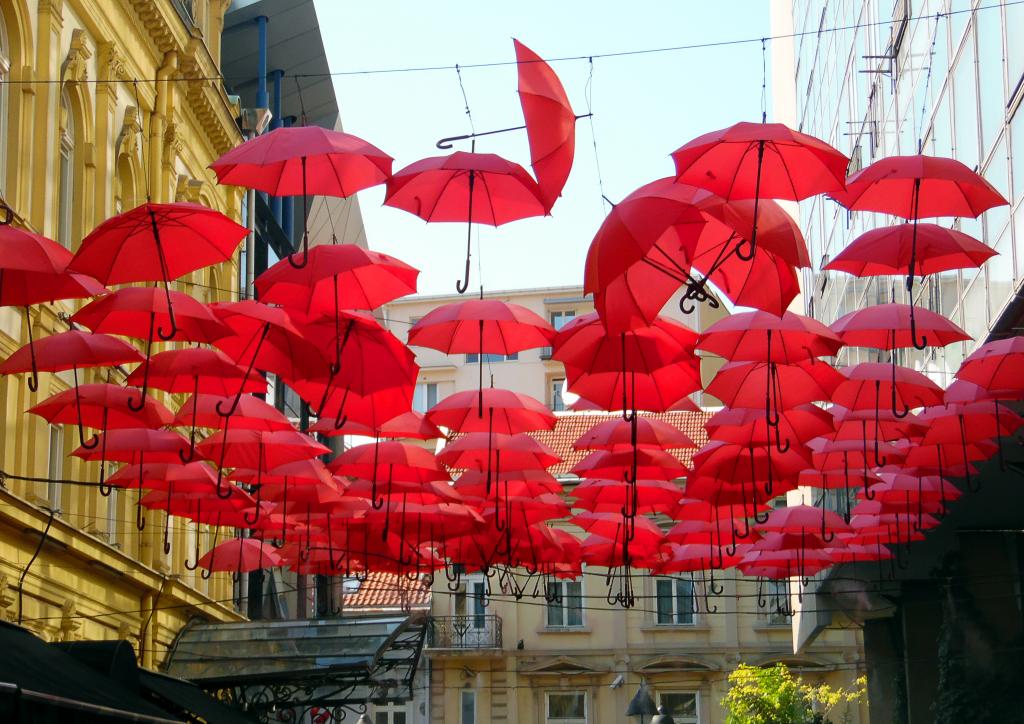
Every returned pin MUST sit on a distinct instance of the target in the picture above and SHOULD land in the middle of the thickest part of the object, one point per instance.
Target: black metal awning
(41, 683)
(302, 665)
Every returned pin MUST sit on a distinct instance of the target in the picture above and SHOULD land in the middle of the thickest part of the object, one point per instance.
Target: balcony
(473, 632)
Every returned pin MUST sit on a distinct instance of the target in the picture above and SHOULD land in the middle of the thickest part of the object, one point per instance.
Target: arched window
(66, 173)
(5, 69)
(124, 193)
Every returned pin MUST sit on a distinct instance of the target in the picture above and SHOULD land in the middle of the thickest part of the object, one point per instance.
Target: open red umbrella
(996, 365)
(887, 250)
(304, 160)
(252, 413)
(157, 243)
(481, 326)
(33, 269)
(339, 276)
(651, 464)
(760, 161)
(762, 337)
(498, 451)
(465, 187)
(804, 519)
(894, 326)
(550, 123)
(617, 434)
(241, 555)
(748, 426)
(774, 386)
(662, 390)
(507, 412)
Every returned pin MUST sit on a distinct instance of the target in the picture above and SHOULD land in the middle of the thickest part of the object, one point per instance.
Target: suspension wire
(557, 59)
(465, 98)
(927, 84)
(764, 80)
(588, 94)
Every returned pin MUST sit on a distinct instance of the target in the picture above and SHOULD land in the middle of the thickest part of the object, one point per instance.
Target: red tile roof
(386, 591)
(572, 425)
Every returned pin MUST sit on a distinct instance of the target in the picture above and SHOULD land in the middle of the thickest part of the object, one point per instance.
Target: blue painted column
(288, 202)
(261, 62)
(275, 122)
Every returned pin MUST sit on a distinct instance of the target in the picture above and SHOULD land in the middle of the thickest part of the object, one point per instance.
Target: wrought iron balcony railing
(464, 632)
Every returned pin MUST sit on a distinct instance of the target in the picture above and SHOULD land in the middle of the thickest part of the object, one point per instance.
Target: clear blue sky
(644, 107)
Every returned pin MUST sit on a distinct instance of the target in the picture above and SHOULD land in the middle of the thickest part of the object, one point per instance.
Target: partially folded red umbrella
(550, 123)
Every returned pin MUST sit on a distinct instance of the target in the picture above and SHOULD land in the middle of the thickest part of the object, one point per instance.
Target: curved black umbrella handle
(256, 517)
(132, 405)
(192, 565)
(94, 440)
(241, 387)
(913, 331)
(761, 517)
(171, 333)
(140, 516)
(762, 602)
(223, 491)
(737, 534)
(752, 244)
(780, 446)
(715, 590)
(462, 286)
(906, 410)
(33, 381)
(826, 536)
(305, 222)
(165, 276)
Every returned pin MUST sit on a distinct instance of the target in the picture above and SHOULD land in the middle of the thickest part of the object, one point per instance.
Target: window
(55, 466)
(467, 707)
(470, 602)
(568, 707)
(472, 358)
(424, 396)
(66, 174)
(776, 594)
(565, 604)
(675, 601)
(390, 713)
(681, 706)
(557, 400)
(558, 320)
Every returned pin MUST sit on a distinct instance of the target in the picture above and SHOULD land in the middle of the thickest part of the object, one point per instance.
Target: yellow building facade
(97, 113)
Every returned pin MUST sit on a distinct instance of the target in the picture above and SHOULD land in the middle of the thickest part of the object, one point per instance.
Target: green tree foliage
(772, 695)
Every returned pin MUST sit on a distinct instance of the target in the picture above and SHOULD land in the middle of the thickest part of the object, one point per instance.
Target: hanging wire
(465, 98)
(764, 80)
(927, 85)
(588, 94)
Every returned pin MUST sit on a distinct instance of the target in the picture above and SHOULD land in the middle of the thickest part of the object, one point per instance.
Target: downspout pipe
(158, 123)
(277, 75)
(261, 61)
(288, 202)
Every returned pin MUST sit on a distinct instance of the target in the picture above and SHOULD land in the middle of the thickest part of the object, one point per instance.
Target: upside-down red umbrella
(157, 243)
(304, 160)
(388, 461)
(918, 187)
(760, 161)
(465, 187)
(69, 351)
(507, 412)
(481, 326)
(550, 123)
(659, 236)
(339, 276)
(33, 269)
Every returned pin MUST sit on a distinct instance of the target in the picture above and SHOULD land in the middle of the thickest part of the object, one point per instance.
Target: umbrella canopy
(617, 434)
(259, 449)
(195, 369)
(240, 555)
(304, 160)
(482, 326)
(748, 426)
(34, 269)
(888, 250)
(550, 123)
(647, 464)
(137, 445)
(504, 412)
(762, 337)
(781, 386)
(482, 451)
(996, 365)
(252, 413)
(143, 312)
(584, 344)
(662, 390)
(71, 349)
(102, 406)
(338, 276)
(761, 160)
(390, 461)
(894, 326)
(869, 384)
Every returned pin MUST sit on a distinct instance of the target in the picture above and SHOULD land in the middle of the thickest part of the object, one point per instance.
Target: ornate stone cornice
(187, 189)
(131, 132)
(111, 62)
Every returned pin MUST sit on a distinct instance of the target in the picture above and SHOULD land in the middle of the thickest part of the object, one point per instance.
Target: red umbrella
(550, 123)
(509, 452)
(887, 251)
(69, 351)
(241, 555)
(894, 326)
(996, 365)
(340, 276)
(479, 326)
(647, 245)
(507, 412)
(304, 160)
(614, 496)
(776, 387)
(33, 269)
(253, 413)
(469, 187)
(661, 390)
(143, 312)
(747, 425)
(804, 519)
(584, 344)
(762, 337)
(651, 464)
(159, 243)
(390, 461)
(760, 160)
(617, 434)
(102, 406)
(918, 187)
(371, 410)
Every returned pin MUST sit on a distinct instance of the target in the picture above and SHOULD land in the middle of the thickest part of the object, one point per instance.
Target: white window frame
(424, 404)
(390, 709)
(556, 389)
(674, 601)
(113, 513)
(473, 358)
(563, 720)
(65, 174)
(55, 466)
(679, 719)
(564, 605)
(465, 694)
